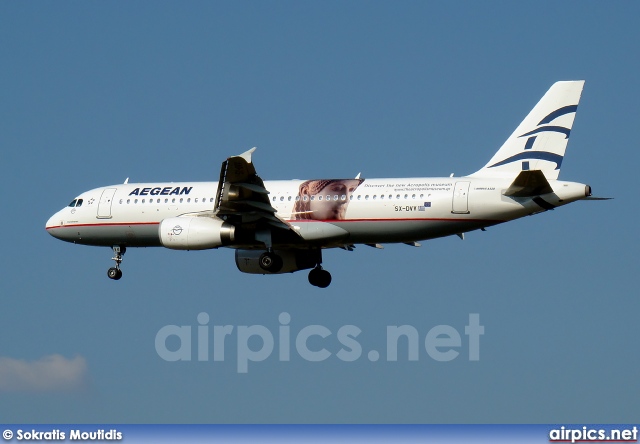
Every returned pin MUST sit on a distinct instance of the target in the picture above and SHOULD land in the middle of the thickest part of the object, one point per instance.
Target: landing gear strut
(319, 277)
(114, 272)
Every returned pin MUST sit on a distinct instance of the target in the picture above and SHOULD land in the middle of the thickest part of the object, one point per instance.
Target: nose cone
(54, 225)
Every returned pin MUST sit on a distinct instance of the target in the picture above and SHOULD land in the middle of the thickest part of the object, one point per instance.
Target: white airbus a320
(283, 226)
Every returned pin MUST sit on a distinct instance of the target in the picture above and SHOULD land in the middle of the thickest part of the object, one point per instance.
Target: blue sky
(94, 92)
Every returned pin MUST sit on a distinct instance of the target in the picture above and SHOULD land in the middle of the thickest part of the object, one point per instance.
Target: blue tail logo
(532, 135)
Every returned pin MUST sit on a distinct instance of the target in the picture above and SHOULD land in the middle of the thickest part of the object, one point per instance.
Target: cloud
(53, 373)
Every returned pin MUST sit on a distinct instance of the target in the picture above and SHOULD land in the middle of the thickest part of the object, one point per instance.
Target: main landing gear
(114, 272)
(319, 277)
(272, 262)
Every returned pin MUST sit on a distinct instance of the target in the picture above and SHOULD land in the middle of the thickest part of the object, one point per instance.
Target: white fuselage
(374, 211)
(282, 226)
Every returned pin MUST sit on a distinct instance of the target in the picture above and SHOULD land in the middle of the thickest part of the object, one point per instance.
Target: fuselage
(282, 226)
(370, 211)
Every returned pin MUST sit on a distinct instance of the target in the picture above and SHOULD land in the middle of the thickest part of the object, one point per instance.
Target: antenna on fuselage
(358, 176)
(126, 181)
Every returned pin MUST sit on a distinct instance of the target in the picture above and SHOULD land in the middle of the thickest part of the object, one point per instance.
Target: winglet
(247, 154)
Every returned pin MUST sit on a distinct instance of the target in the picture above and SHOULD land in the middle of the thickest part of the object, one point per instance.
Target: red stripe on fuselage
(115, 224)
(396, 220)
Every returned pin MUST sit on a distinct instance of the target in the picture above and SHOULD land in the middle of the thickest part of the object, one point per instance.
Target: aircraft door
(461, 198)
(104, 206)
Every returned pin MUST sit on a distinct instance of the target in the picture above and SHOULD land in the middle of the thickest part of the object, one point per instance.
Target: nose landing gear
(114, 272)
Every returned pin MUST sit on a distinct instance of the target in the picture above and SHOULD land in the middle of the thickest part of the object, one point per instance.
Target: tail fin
(541, 139)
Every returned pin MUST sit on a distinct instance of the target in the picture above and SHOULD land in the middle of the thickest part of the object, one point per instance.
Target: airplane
(282, 226)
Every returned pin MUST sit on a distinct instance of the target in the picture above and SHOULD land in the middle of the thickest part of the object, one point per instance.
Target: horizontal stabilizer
(529, 183)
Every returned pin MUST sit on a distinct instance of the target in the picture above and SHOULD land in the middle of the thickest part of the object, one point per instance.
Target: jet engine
(288, 261)
(195, 233)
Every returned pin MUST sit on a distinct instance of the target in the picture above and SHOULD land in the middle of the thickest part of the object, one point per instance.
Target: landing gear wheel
(270, 262)
(114, 273)
(319, 277)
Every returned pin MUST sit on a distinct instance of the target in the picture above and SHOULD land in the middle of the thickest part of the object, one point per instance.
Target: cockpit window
(73, 203)
(79, 203)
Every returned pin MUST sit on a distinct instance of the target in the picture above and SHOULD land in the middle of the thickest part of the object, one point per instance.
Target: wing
(243, 201)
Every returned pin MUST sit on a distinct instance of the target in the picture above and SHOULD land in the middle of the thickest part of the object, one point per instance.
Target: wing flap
(241, 206)
(251, 187)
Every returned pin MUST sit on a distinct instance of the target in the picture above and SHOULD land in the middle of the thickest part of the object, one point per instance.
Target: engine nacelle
(195, 233)
(247, 261)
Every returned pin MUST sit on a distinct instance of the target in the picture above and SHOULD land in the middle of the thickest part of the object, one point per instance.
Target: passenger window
(128, 200)
(173, 200)
(382, 196)
(421, 196)
(135, 201)
(305, 198)
(366, 197)
(166, 200)
(281, 198)
(343, 197)
(313, 196)
(406, 196)
(196, 200)
(181, 200)
(359, 196)
(297, 198)
(319, 197)
(120, 201)
(289, 198)
(335, 197)
(413, 196)
(142, 200)
(189, 199)
(274, 198)
(398, 197)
